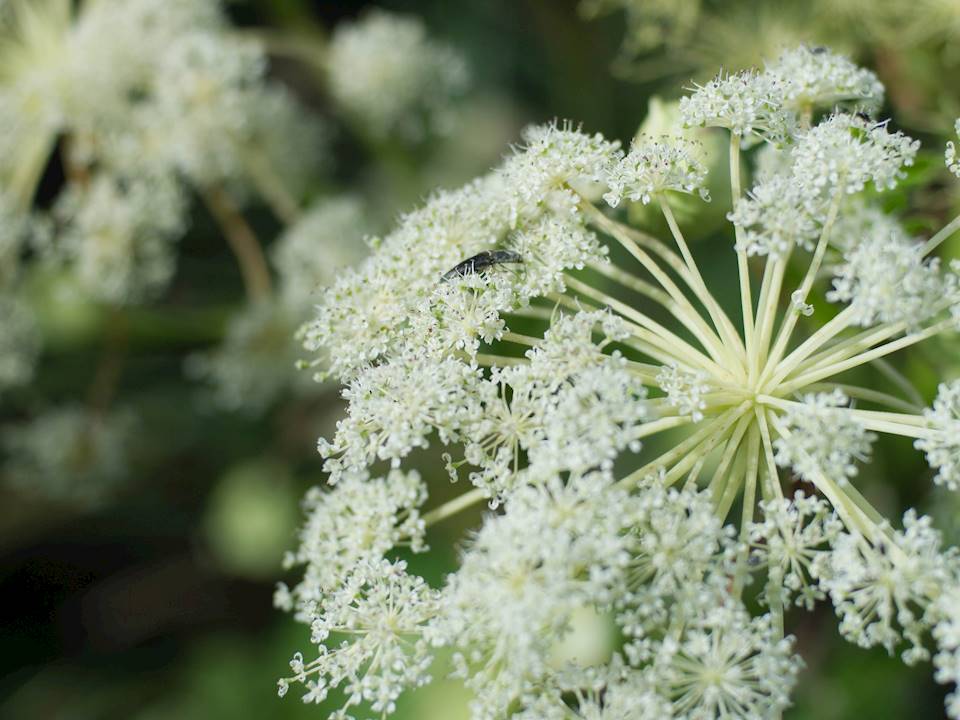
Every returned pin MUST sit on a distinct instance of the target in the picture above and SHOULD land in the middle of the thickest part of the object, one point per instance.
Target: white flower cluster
(845, 152)
(324, 242)
(379, 606)
(815, 77)
(747, 103)
(799, 202)
(367, 314)
(652, 166)
(823, 438)
(19, 342)
(887, 279)
(147, 95)
(790, 541)
(360, 518)
(69, 454)
(881, 591)
(119, 237)
(685, 389)
(942, 448)
(950, 154)
(510, 322)
(385, 71)
(774, 219)
(256, 361)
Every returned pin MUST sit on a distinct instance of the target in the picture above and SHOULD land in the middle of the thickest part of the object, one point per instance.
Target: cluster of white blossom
(256, 362)
(119, 237)
(888, 279)
(685, 389)
(310, 254)
(385, 71)
(652, 167)
(942, 446)
(815, 77)
(789, 542)
(19, 342)
(884, 591)
(20, 339)
(509, 323)
(69, 454)
(950, 154)
(746, 103)
(146, 96)
(821, 438)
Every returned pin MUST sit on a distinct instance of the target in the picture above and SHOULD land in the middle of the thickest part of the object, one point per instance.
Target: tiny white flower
(824, 438)
(745, 103)
(655, 165)
(816, 77)
(950, 154)
(943, 448)
(887, 279)
(685, 389)
(881, 591)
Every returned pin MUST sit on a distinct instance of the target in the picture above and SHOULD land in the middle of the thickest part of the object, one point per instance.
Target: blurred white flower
(70, 454)
(392, 78)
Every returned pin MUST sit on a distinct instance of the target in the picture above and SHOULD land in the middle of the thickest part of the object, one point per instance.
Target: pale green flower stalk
(539, 341)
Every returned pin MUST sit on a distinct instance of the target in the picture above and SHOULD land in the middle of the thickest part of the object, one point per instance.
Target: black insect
(482, 261)
(818, 50)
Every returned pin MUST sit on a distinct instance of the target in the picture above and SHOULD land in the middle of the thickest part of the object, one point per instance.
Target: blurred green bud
(251, 518)
(65, 314)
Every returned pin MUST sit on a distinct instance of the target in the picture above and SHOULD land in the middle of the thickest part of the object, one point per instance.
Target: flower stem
(242, 241)
(945, 232)
(743, 269)
(452, 507)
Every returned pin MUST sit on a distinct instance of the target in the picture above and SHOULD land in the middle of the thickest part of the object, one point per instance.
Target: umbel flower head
(522, 328)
